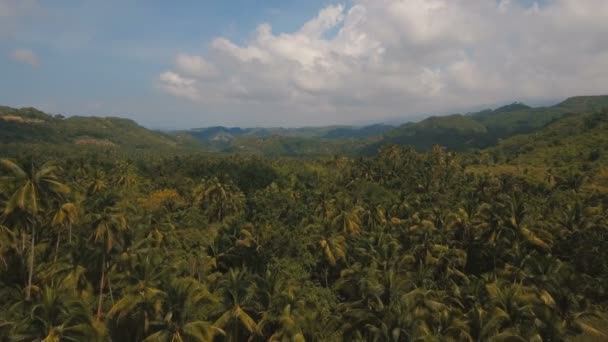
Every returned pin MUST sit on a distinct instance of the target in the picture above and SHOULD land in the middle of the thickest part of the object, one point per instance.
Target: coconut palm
(33, 189)
(55, 315)
(108, 229)
(334, 249)
(237, 306)
(185, 311)
(218, 199)
(64, 217)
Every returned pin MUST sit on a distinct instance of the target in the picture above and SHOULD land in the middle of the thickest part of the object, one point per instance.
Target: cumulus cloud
(25, 56)
(384, 58)
(179, 85)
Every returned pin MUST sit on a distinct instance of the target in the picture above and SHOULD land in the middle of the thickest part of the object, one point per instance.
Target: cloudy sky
(297, 63)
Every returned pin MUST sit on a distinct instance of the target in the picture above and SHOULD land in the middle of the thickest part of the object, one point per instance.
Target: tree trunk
(101, 283)
(70, 232)
(110, 289)
(57, 246)
(22, 241)
(28, 295)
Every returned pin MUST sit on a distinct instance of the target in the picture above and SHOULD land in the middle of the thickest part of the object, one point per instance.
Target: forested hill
(576, 139)
(508, 243)
(31, 126)
(304, 141)
(457, 132)
(485, 128)
(223, 134)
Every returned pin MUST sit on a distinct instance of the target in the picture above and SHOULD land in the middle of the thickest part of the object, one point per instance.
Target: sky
(184, 64)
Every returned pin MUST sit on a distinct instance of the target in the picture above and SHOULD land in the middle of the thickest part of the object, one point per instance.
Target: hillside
(31, 126)
(576, 139)
(571, 150)
(458, 132)
(485, 128)
(294, 142)
(276, 146)
(221, 138)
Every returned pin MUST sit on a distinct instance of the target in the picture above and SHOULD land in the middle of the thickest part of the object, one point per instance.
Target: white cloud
(387, 58)
(194, 65)
(178, 85)
(25, 56)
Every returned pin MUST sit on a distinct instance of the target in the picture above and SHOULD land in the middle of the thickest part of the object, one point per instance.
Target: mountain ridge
(458, 132)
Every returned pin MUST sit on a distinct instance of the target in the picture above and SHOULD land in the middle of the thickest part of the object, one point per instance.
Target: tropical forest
(304, 171)
(497, 231)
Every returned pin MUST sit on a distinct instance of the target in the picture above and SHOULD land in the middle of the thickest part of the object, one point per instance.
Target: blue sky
(101, 57)
(204, 63)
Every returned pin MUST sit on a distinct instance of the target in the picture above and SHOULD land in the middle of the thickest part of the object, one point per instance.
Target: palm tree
(289, 331)
(142, 295)
(424, 309)
(334, 249)
(516, 305)
(109, 227)
(237, 301)
(56, 316)
(32, 191)
(185, 313)
(65, 216)
(219, 199)
(126, 175)
(98, 183)
(349, 221)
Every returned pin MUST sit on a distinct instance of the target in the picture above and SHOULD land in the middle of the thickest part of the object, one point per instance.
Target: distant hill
(579, 104)
(220, 133)
(573, 140)
(512, 127)
(276, 146)
(31, 126)
(358, 132)
(302, 141)
(571, 145)
(485, 128)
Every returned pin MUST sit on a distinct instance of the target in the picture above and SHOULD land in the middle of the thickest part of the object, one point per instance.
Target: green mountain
(31, 126)
(458, 132)
(220, 137)
(276, 146)
(574, 140)
(485, 128)
(294, 142)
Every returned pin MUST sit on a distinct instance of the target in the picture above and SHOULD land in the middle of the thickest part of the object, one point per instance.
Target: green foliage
(398, 246)
(35, 128)
(486, 128)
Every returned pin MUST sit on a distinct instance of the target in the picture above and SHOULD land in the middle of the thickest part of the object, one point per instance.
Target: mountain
(278, 141)
(357, 132)
(457, 132)
(485, 128)
(277, 146)
(220, 133)
(570, 146)
(573, 140)
(579, 104)
(31, 126)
